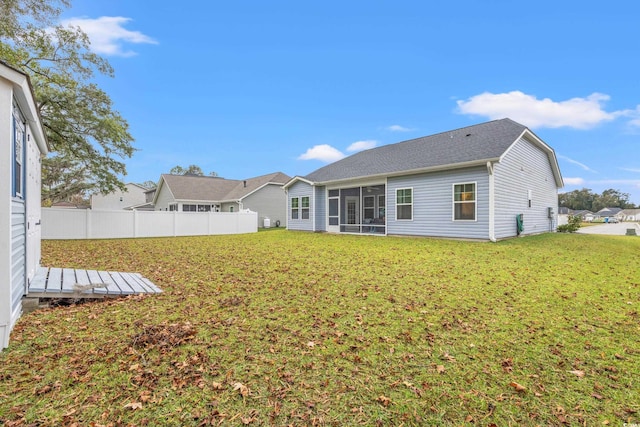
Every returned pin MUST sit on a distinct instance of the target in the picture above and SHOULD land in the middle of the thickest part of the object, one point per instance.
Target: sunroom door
(352, 214)
(333, 225)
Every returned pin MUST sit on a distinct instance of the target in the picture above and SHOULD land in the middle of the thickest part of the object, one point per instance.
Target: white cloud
(630, 170)
(322, 152)
(573, 181)
(107, 34)
(362, 145)
(398, 128)
(575, 162)
(579, 113)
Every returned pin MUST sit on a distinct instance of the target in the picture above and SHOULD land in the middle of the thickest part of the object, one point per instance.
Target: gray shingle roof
(470, 144)
(207, 188)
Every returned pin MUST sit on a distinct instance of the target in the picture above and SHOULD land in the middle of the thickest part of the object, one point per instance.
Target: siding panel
(300, 189)
(269, 202)
(320, 211)
(18, 254)
(525, 167)
(433, 204)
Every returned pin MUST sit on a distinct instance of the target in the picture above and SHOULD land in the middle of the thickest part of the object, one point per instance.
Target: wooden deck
(73, 283)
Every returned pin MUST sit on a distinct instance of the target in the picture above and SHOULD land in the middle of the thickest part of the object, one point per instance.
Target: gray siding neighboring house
(22, 144)
(133, 198)
(466, 183)
(191, 193)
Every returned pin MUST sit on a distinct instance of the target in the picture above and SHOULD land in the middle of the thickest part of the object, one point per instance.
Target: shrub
(572, 226)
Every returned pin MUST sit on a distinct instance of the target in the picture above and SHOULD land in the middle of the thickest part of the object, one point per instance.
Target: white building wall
(135, 195)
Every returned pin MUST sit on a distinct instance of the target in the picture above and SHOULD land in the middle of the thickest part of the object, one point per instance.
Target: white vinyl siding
(296, 192)
(432, 206)
(269, 202)
(320, 211)
(524, 174)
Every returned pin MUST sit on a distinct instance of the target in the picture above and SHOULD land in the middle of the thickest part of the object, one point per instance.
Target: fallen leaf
(440, 369)
(217, 386)
(577, 373)
(518, 387)
(383, 400)
(134, 405)
(597, 396)
(311, 344)
(243, 389)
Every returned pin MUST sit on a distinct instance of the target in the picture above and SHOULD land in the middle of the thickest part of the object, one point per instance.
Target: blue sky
(246, 88)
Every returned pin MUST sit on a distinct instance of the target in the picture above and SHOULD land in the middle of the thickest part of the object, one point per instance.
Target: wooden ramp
(52, 282)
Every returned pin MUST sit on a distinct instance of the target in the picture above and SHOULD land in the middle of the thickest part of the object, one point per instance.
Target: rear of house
(490, 181)
(22, 143)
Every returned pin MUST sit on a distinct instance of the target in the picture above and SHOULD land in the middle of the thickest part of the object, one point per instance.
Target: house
(606, 213)
(133, 198)
(193, 193)
(22, 145)
(489, 181)
(630, 215)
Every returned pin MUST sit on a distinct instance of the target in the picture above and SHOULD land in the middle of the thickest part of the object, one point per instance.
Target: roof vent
(245, 184)
(468, 134)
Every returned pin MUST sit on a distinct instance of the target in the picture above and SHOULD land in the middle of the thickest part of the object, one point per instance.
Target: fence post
(135, 223)
(88, 228)
(175, 230)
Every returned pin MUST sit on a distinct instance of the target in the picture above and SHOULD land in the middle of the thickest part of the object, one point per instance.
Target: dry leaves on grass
(163, 336)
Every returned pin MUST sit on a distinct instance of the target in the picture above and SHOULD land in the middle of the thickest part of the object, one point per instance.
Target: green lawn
(285, 328)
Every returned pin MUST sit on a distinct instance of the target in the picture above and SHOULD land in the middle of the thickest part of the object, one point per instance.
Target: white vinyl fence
(103, 224)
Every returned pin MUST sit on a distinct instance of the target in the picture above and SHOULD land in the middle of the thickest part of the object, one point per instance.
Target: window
(305, 207)
(381, 206)
(404, 204)
(173, 207)
(464, 202)
(369, 207)
(189, 208)
(19, 131)
(230, 208)
(295, 208)
(334, 207)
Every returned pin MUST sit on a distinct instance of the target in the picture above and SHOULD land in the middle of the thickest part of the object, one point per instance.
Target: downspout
(492, 202)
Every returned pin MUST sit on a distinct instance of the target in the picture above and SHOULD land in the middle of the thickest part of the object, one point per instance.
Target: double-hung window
(404, 204)
(305, 207)
(295, 208)
(464, 202)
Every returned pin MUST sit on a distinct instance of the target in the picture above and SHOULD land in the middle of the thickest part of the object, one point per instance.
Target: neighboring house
(192, 193)
(131, 199)
(473, 182)
(22, 145)
(629, 215)
(583, 214)
(607, 213)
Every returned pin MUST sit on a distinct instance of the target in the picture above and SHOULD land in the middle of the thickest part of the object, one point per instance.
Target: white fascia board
(296, 179)
(23, 92)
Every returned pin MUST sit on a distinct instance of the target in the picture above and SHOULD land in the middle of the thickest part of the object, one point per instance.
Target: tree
(89, 138)
(190, 170)
(586, 199)
(148, 184)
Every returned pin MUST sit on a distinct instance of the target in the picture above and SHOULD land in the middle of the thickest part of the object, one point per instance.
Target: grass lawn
(287, 328)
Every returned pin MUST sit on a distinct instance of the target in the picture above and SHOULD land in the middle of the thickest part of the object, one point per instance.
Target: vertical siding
(525, 167)
(320, 211)
(300, 189)
(18, 253)
(269, 202)
(433, 204)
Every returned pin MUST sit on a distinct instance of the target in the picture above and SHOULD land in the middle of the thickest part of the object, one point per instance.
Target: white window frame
(305, 209)
(18, 142)
(404, 204)
(296, 209)
(474, 201)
